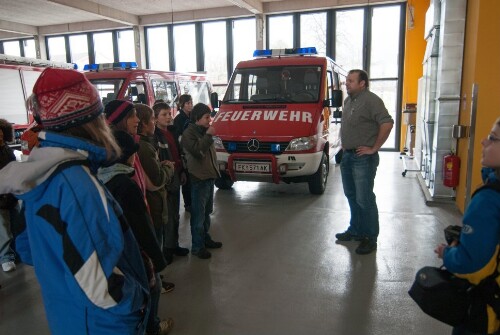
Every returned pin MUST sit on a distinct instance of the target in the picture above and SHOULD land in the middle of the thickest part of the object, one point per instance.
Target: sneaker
(366, 246)
(167, 287)
(212, 244)
(8, 266)
(203, 254)
(347, 236)
(179, 251)
(164, 327)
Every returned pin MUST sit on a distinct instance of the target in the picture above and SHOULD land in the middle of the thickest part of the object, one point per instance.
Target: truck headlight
(302, 143)
(218, 143)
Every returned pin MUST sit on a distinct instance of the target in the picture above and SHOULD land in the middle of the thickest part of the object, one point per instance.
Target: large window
(12, 48)
(57, 49)
(385, 42)
(280, 32)
(79, 50)
(244, 40)
(158, 48)
(185, 48)
(29, 48)
(313, 31)
(349, 39)
(103, 47)
(126, 49)
(384, 60)
(215, 49)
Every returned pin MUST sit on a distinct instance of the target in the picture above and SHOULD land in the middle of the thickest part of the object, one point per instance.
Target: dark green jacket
(200, 153)
(157, 177)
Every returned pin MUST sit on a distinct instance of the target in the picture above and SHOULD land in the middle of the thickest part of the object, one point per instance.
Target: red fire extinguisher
(451, 170)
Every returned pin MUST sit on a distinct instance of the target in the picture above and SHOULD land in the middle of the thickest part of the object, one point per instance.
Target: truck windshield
(278, 83)
(108, 88)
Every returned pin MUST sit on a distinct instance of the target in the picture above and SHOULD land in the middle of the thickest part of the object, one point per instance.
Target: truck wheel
(224, 182)
(338, 156)
(317, 182)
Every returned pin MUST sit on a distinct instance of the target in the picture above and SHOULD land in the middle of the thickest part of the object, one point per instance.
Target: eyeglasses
(492, 138)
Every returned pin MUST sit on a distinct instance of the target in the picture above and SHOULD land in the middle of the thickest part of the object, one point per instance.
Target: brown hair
(183, 99)
(198, 111)
(144, 113)
(98, 132)
(158, 106)
(6, 127)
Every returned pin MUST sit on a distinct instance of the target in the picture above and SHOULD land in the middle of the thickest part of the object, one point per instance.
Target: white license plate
(252, 167)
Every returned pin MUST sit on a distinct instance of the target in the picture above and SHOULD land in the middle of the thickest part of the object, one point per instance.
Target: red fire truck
(124, 81)
(18, 76)
(279, 119)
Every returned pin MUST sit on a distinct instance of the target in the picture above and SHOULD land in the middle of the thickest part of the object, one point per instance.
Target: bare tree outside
(313, 31)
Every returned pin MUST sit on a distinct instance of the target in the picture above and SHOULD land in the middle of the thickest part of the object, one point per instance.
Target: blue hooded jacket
(475, 257)
(85, 257)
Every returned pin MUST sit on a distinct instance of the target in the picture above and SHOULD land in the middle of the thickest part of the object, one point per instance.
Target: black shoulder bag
(453, 300)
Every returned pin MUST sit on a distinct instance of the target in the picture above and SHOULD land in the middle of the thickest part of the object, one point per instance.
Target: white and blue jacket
(85, 257)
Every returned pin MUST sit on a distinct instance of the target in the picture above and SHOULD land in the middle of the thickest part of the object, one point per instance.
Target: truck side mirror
(335, 101)
(337, 98)
(214, 100)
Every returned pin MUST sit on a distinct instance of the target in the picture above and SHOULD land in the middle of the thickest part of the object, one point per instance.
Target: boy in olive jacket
(202, 166)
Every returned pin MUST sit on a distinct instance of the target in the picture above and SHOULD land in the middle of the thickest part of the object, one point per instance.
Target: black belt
(352, 151)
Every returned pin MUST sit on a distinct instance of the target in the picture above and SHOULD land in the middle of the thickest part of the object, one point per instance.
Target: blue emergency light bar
(110, 66)
(285, 52)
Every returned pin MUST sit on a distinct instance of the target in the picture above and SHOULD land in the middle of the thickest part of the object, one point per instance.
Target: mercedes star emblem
(253, 145)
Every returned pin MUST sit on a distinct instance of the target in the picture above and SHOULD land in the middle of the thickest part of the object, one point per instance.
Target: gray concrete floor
(281, 271)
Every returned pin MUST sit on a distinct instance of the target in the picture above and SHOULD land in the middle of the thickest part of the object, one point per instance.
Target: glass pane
(244, 40)
(387, 90)
(108, 88)
(349, 39)
(103, 48)
(385, 42)
(280, 32)
(185, 48)
(197, 89)
(126, 50)
(57, 49)
(313, 31)
(165, 90)
(214, 43)
(291, 84)
(79, 50)
(29, 48)
(158, 48)
(11, 48)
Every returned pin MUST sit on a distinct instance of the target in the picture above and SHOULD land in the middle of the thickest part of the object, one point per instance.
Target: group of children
(101, 198)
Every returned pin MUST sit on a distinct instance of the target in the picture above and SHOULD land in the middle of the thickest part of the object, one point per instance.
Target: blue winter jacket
(475, 257)
(85, 257)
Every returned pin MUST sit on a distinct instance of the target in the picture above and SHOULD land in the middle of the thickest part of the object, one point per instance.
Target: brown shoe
(165, 326)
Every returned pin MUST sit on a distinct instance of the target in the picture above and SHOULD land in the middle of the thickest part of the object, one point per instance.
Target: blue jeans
(6, 252)
(202, 202)
(358, 177)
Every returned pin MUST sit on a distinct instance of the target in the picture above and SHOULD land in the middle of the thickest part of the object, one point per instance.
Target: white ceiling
(21, 18)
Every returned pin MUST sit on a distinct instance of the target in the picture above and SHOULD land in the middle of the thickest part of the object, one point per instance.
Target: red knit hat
(64, 99)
